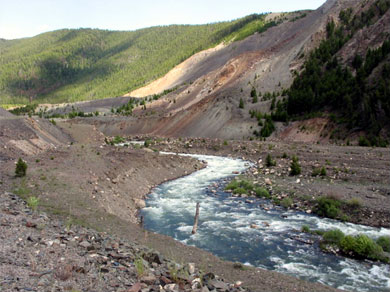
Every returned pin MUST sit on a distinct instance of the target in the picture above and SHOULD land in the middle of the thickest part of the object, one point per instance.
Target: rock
(268, 181)
(266, 224)
(208, 277)
(196, 284)
(139, 203)
(85, 244)
(298, 181)
(254, 226)
(164, 280)
(135, 288)
(191, 268)
(219, 285)
(149, 280)
(31, 224)
(308, 211)
(171, 287)
(153, 257)
(237, 284)
(205, 289)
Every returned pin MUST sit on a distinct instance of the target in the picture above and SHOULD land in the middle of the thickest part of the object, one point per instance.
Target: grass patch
(240, 186)
(262, 193)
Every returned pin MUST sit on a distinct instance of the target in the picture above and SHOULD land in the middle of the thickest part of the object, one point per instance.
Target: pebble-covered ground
(39, 253)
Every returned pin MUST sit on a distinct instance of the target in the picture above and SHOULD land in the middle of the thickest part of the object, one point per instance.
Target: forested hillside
(84, 64)
(357, 93)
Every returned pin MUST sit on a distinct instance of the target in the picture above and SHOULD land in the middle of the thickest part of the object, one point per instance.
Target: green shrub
(33, 202)
(367, 248)
(319, 172)
(327, 207)
(21, 168)
(295, 167)
(347, 244)
(147, 143)
(240, 191)
(305, 229)
(269, 162)
(241, 105)
(333, 237)
(384, 242)
(355, 203)
(316, 172)
(286, 202)
(232, 185)
(117, 140)
(239, 186)
(363, 141)
(139, 266)
(262, 193)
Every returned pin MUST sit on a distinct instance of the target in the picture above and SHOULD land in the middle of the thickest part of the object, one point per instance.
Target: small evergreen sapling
(21, 168)
(295, 167)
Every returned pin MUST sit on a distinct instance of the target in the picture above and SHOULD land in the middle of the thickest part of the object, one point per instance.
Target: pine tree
(21, 168)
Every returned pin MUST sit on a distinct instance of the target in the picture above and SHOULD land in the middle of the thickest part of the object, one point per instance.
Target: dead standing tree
(196, 219)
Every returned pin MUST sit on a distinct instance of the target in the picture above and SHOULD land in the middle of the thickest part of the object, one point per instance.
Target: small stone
(149, 280)
(165, 280)
(85, 244)
(268, 181)
(191, 268)
(139, 203)
(171, 287)
(219, 285)
(237, 284)
(135, 288)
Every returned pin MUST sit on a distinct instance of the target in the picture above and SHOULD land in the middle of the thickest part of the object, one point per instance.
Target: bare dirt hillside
(4, 113)
(25, 136)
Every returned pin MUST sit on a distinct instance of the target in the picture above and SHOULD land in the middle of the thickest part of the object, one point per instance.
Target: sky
(26, 18)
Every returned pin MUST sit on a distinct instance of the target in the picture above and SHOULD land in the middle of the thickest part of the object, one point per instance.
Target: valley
(278, 124)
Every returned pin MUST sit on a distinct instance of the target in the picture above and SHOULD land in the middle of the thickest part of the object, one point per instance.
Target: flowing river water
(225, 229)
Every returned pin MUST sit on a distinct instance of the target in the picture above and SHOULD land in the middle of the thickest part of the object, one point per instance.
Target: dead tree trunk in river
(196, 219)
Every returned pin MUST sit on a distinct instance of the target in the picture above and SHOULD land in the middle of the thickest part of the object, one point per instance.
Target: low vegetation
(21, 168)
(295, 166)
(359, 246)
(243, 186)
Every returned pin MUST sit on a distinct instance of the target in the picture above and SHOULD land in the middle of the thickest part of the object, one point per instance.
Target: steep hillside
(230, 91)
(85, 64)
(212, 83)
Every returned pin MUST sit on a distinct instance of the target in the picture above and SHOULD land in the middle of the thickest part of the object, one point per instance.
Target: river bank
(357, 175)
(67, 179)
(254, 231)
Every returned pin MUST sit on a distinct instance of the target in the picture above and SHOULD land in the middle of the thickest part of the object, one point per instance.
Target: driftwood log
(196, 219)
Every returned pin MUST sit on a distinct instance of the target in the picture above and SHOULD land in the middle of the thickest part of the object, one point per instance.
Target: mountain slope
(216, 96)
(207, 104)
(85, 64)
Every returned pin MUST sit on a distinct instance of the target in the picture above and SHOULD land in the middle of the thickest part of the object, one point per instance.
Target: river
(225, 229)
